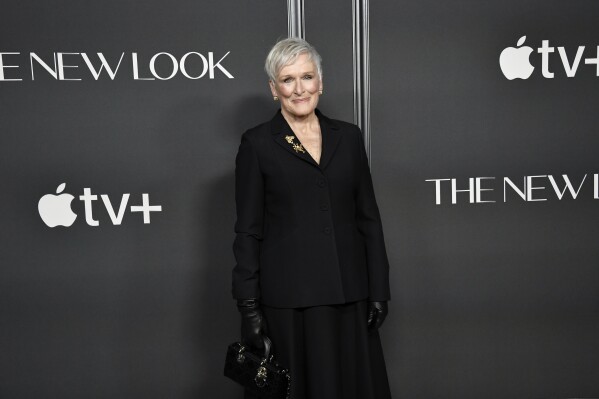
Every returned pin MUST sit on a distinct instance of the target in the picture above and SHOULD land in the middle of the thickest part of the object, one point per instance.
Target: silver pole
(295, 19)
(361, 58)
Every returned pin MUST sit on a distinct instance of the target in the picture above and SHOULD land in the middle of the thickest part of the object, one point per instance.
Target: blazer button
(324, 207)
(321, 182)
(327, 230)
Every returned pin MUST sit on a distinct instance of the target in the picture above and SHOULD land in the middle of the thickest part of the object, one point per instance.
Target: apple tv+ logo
(515, 63)
(55, 209)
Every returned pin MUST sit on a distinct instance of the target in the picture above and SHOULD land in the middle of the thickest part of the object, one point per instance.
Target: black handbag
(262, 376)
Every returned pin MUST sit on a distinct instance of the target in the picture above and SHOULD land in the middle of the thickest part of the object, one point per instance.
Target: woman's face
(297, 87)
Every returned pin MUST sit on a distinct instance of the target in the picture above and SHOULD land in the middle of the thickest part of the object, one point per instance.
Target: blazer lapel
(331, 135)
(284, 136)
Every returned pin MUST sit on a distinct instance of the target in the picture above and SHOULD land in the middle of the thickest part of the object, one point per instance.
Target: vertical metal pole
(295, 18)
(361, 57)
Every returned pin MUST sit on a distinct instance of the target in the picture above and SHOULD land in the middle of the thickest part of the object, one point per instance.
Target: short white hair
(285, 51)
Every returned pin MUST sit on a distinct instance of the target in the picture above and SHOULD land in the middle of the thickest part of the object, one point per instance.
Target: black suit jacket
(306, 233)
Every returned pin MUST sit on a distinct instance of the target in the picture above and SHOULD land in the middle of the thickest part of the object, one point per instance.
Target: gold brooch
(297, 147)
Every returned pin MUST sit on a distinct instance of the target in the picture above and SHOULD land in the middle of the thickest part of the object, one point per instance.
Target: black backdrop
(495, 300)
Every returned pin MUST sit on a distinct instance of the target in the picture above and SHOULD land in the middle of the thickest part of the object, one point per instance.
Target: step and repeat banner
(485, 160)
(119, 126)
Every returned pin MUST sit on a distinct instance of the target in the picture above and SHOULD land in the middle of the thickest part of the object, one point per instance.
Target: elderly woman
(312, 272)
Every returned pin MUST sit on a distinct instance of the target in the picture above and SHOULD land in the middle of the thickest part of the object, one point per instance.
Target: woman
(312, 271)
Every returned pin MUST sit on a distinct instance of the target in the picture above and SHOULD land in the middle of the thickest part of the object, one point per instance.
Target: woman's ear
(272, 88)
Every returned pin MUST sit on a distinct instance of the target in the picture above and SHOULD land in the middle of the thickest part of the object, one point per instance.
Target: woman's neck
(301, 124)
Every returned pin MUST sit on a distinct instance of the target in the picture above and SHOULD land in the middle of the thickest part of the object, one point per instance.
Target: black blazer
(307, 234)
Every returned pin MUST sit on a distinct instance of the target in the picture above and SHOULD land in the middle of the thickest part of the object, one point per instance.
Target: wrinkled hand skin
(377, 312)
(253, 324)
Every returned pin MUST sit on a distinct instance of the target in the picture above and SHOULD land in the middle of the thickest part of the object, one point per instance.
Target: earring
(275, 98)
(320, 92)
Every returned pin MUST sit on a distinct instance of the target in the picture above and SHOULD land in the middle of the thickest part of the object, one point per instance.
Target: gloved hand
(253, 324)
(377, 311)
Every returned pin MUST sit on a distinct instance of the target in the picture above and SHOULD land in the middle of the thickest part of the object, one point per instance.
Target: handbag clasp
(261, 376)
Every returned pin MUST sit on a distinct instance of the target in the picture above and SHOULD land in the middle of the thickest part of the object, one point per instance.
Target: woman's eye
(308, 77)
(287, 80)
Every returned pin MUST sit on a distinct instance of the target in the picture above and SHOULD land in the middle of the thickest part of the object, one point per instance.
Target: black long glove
(377, 311)
(253, 324)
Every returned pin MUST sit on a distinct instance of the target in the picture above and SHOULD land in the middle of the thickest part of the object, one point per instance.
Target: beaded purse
(262, 376)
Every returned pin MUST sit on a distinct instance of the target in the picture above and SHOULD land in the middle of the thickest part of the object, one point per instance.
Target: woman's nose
(299, 87)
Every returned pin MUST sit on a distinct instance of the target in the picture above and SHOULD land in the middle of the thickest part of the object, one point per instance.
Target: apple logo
(514, 61)
(55, 210)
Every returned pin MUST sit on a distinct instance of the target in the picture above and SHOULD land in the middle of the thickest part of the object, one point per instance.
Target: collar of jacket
(330, 131)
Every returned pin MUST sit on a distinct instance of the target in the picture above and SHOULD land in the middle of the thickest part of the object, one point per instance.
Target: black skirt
(329, 351)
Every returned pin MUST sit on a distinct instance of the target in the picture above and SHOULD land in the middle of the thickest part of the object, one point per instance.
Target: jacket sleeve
(249, 200)
(369, 225)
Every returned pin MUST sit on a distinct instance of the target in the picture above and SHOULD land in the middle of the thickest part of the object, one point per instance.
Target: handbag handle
(267, 346)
